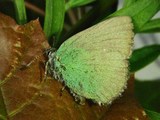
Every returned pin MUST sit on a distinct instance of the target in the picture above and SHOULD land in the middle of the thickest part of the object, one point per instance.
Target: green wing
(94, 62)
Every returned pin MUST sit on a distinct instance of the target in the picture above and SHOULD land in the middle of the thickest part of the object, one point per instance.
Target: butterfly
(93, 64)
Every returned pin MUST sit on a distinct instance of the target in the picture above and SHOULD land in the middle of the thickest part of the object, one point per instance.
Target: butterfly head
(53, 64)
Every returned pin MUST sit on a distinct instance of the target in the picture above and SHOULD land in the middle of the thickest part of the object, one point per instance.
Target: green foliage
(54, 18)
(148, 94)
(128, 2)
(77, 3)
(143, 56)
(20, 11)
(141, 12)
(152, 26)
(153, 115)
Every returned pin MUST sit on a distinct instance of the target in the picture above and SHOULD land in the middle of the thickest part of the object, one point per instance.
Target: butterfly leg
(82, 100)
(46, 70)
(62, 89)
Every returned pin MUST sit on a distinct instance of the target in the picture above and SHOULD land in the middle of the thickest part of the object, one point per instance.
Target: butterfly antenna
(32, 61)
(46, 71)
(38, 56)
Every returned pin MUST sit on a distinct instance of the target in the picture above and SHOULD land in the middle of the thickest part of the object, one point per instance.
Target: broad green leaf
(128, 2)
(143, 56)
(141, 12)
(152, 26)
(20, 11)
(153, 115)
(76, 3)
(148, 93)
(54, 18)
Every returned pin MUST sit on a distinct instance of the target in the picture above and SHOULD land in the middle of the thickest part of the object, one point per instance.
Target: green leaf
(141, 12)
(54, 18)
(153, 115)
(20, 11)
(77, 3)
(143, 56)
(148, 93)
(152, 26)
(128, 2)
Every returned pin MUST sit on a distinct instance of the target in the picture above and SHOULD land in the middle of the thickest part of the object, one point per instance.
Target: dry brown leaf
(25, 95)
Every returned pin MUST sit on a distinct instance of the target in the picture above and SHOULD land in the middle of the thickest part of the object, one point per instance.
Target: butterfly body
(94, 62)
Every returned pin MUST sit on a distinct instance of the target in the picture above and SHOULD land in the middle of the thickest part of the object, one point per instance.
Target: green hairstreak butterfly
(94, 62)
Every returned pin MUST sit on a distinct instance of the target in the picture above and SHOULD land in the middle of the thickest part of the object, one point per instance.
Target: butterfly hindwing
(94, 62)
